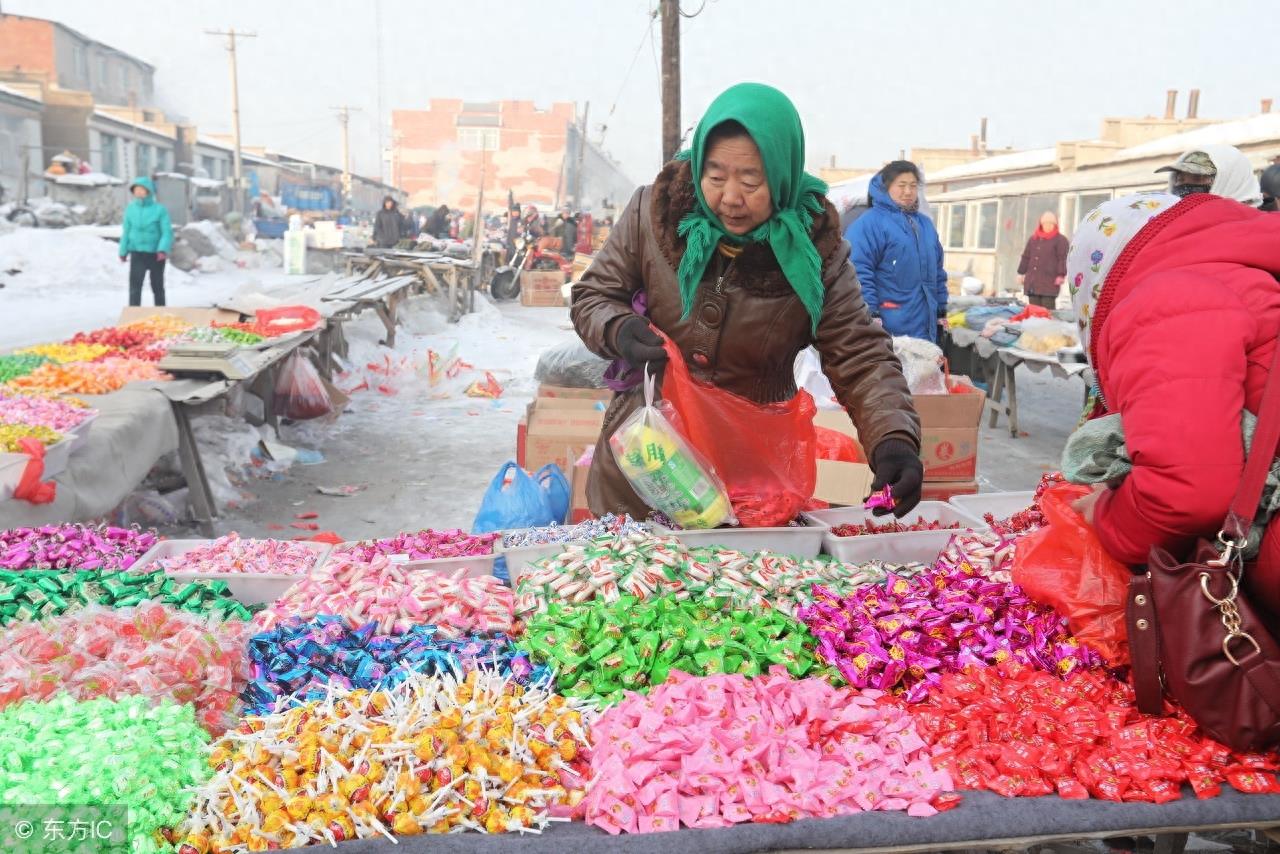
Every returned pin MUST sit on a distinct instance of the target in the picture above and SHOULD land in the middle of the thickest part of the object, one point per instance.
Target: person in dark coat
(1270, 182)
(387, 226)
(1043, 268)
(438, 224)
(567, 230)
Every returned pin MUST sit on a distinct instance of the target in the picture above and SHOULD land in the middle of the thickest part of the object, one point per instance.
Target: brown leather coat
(744, 332)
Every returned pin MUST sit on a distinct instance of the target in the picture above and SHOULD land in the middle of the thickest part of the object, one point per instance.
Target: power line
(648, 34)
(685, 14)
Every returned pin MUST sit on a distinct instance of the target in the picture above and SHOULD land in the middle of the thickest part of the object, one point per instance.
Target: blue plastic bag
(556, 487)
(522, 503)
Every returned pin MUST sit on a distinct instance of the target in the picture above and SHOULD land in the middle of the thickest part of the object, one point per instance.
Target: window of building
(209, 165)
(478, 139)
(124, 77)
(144, 157)
(956, 214)
(162, 160)
(109, 154)
(102, 72)
(988, 224)
(82, 63)
(1086, 202)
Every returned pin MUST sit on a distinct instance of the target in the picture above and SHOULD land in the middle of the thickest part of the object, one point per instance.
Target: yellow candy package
(665, 470)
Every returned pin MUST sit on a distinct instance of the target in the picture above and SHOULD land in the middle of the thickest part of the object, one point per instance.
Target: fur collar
(757, 269)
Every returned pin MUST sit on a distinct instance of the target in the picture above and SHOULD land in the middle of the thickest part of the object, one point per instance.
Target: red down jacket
(1184, 332)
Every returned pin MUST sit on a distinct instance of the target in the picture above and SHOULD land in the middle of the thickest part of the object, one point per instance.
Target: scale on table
(199, 358)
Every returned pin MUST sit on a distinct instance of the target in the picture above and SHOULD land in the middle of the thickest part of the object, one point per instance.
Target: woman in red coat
(1044, 263)
(1179, 308)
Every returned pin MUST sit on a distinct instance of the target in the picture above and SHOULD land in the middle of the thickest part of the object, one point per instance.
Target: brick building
(51, 53)
(438, 154)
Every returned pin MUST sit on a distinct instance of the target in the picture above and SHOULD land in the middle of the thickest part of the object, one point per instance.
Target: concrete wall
(606, 189)
(113, 77)
(158, 149)
(436, 158)
(20, 151)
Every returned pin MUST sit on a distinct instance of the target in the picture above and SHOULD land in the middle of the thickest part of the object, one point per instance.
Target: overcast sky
(869, 78)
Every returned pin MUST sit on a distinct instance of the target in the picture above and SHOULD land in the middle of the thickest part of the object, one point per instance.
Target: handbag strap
(1266, 441)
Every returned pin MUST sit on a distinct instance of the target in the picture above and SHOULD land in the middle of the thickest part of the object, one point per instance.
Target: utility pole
(582, 152)
(670, 78)
(344, 119)
(237, 195)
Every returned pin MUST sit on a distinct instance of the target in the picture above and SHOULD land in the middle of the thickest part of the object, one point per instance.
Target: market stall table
(1002, 363)
(983, 820)
(133, 430)
(439, 273)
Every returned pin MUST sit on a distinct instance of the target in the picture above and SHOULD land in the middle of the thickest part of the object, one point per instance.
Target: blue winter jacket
(146, 225)
(898, 259)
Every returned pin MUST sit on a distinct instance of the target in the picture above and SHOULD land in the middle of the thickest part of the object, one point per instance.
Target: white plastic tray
(249, 588)
(803, 542)
(1001, 505)
(522, 558)
(475, 566)
(12, 465)
(911, 546)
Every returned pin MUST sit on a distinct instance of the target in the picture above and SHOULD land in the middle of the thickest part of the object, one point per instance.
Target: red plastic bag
(764, 453)
(300, 393)
(836, 446)
(30, 487)
(285, 319)
(1064, 565)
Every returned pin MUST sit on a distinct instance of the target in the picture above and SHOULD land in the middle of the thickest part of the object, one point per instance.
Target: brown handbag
(1193, 632)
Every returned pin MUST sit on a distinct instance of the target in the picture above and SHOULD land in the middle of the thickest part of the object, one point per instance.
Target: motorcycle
(505, 284)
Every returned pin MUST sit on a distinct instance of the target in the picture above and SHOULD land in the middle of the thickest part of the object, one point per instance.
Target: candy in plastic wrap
(1025, 733)
(433, 755)
(666, 471)
(719, 750)
(35, 595)
(151, 650)
(69, 760)
(74, 547)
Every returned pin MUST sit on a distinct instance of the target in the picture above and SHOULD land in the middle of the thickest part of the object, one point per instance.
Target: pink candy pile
(987, 554)
(719, 750)
(73, 547)
(34, 411)
(236, 555)
(151, 649)
(423, 545)
(902, 635)
(397, 598)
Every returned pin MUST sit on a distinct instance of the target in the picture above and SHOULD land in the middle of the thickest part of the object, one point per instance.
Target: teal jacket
(146, 223)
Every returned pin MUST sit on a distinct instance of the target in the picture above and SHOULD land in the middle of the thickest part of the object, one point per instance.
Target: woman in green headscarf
(736, 255)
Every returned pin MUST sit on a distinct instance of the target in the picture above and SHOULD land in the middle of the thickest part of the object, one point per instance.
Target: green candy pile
(19, 365)
(38, 594)
(601, 649)
(104, 753)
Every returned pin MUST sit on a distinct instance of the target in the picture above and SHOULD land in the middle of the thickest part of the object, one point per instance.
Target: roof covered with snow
(30, 99)
(1261, 128)
(145, 128)
(87, 179)
(1016, 161)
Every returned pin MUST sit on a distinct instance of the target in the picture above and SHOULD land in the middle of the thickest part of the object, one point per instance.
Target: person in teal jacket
(145, 239)
(897, 255)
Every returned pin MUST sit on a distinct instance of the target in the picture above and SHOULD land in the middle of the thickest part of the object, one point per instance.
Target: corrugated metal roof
(1013, 162)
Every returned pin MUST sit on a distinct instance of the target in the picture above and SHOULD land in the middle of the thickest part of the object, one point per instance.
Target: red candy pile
(1023, 733)
(893, 526)
(1025, 520)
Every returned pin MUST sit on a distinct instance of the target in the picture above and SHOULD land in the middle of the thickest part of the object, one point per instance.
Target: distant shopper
(898, 257)
(1043, 268)
(145, 239)
(387, 226)
(1222, 170)
(438, 223)
(567, 231)
(1270, 188)
(533, 223)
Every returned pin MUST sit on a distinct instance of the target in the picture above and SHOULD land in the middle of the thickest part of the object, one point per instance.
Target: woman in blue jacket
(145, 239)
(898, 257)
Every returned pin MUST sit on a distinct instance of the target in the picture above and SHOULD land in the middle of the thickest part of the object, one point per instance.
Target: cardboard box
(578, 510)
(842, 484)
(958, 409)
(565, 392)
(949, 453)
(560, 431)
(945, 490)
(194, 316)
(541, 288)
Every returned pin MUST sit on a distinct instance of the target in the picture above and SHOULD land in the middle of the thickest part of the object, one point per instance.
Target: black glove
(942, 312)
(638, 345)
(897, 465)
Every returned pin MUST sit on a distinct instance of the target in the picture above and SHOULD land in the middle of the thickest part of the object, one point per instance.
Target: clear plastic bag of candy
(300, 393)
(665, 470)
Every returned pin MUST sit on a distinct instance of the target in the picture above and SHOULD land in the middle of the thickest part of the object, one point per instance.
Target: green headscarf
(774, 125)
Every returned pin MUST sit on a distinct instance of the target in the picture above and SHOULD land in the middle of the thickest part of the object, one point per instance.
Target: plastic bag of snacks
(665, 471)
(300, 393)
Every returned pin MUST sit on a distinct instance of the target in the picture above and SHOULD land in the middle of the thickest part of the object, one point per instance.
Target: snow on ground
(57, 282)
(422, 454)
